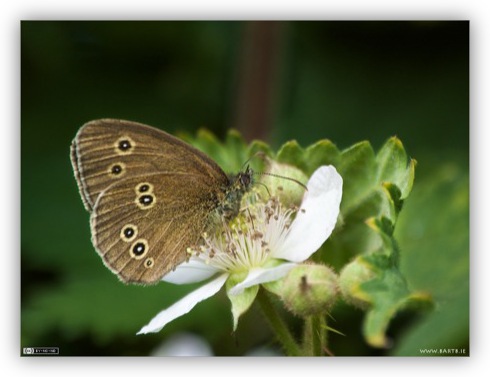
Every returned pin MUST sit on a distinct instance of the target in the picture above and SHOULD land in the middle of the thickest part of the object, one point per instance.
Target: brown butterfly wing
(150, 195)
(106, 151)
(142, 235)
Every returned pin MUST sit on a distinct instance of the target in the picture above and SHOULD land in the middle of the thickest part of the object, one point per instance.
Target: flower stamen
(247, 241)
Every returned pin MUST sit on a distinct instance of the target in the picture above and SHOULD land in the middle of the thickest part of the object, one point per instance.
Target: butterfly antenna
(280, 176)
(265, 186)
(270, 174)
(252, 156)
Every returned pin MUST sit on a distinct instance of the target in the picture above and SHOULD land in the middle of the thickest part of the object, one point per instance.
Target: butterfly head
(239, 185)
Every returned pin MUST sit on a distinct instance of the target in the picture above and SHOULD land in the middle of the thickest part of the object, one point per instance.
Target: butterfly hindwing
(142, 232)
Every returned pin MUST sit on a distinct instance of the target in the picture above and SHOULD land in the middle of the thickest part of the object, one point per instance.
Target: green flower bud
(351, 278)
(281, 183)
(309, 289)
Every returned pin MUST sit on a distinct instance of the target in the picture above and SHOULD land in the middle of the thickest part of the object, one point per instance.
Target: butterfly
(150, 195)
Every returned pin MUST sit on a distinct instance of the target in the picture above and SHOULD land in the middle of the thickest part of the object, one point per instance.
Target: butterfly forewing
(108, 150)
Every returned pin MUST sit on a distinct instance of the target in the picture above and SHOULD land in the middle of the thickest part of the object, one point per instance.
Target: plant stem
(314, 335)
(319, 335)
(278, 325)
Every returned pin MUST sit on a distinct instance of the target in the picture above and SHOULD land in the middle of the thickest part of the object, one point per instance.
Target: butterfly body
(150, 196)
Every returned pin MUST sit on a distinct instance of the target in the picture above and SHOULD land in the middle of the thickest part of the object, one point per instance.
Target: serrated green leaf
(234, 139)
(258, 146)
(433, 231)
(376, 203)
(230, 155)
(381, 225)
(388, 293)
(291, 153)
(394, 195)
(206, 141)
(236, 147)
(323, 152)
(406, 180)
(386, 289)
(259, 153)
(393, 166)
(357, 168)
(353, 239)
(373, 193)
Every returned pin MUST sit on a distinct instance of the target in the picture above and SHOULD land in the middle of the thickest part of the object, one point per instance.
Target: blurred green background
(277, 81)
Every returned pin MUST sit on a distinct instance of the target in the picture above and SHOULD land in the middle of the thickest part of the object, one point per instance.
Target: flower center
(249, 240)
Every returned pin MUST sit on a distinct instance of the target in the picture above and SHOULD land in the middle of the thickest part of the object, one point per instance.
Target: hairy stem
(278, 325)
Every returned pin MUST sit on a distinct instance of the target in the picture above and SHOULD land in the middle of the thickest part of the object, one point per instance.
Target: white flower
(260, 247)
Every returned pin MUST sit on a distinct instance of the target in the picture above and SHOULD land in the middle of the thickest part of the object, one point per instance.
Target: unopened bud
(282, 182)
(309, 289)
(350, 280)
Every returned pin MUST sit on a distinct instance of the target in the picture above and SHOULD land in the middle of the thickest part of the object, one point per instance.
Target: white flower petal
(184, 305)
(262, 275)
(193, 271)
(183, 344)
(316, 218)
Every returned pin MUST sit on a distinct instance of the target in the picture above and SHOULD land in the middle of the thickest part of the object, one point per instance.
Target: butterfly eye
(146, 200)
(139, 249)
(129, 232)
(149, 262)
(117, 170)
(124, 145)
(144, 187)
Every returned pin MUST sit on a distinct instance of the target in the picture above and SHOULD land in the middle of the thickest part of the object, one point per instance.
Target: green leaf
(384, 227)
(291, 153)
(206, 141)
(236, 148)
(357, 168)
(393, 166)
(376, 203)
(230, 154)
(387, 293)
(259, 153)
(323, 152)
(444, 328)
(258, 146)
(431, 269)
(396, 201)
(384, 288)
(434, 232)
(374, 191)
(373, 282)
